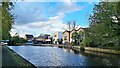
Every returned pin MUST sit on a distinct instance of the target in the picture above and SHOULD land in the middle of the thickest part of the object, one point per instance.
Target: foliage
(104, 26)
(82, 48)
(0, 22)
(7, 19)
(60, 41)
(77, 37)
(17, 39)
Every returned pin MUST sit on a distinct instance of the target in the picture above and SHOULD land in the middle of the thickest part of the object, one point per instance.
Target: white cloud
(53, 24)
(33, 22)
(66, 7)
(64, 0)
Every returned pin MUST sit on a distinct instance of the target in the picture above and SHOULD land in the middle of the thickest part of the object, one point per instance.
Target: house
(29, 37)
(57, 36)
(67, 35)
(43, 38)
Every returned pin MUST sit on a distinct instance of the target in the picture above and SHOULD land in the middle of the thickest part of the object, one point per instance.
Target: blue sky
(48, 17)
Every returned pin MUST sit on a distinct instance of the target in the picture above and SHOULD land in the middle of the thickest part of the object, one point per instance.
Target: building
(56, 37)
(67, 35)
(43, 38)
(29, 37)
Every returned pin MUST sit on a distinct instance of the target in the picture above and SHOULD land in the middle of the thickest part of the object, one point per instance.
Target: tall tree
(7, 19)
(103, 30)
(71, 25)
(0, 20)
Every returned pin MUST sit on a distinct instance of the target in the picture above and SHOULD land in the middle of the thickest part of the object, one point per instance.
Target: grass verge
(11, 59)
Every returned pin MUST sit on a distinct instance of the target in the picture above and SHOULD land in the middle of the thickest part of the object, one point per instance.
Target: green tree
(104, 25)
(0, 22)
(78, 37)
(7, 19)
(81, 36)
(16, 39)
(75, 37)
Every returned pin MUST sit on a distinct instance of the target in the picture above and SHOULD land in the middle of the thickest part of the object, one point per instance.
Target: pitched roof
(43, 36)
(29, 36)
(66, 31)
(81, 28)
(74, 29)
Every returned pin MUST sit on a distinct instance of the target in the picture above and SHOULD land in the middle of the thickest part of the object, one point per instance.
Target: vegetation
(10, 58)
(71, 25)
(7, 19)
(0, 22)
(104, 26)
(60, 41)
(82, 48)
(77, 37)
(108, 51)
(16, 40)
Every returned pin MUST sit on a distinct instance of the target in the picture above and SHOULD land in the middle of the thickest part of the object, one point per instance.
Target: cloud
(63, 0)
(53, 24)
(36, 18)
(66, 7)
(28, 12)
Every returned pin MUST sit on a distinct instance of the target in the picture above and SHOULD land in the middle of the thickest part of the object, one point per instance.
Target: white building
(56, 36)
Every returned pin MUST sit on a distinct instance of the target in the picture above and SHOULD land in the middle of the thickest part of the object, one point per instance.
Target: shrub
(82, 48)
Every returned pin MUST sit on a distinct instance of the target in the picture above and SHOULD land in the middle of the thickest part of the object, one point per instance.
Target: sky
(48, 17)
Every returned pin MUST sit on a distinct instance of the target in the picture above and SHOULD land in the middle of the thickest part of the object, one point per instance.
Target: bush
(85, 42)
(82, 48)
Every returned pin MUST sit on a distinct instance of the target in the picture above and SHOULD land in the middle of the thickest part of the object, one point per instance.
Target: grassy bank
(11, 59)
(109, 51)
(100, 50)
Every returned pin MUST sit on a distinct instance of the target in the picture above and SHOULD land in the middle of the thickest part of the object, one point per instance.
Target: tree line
(104, 28)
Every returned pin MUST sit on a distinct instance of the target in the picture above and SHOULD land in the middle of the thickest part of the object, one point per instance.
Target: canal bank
(11, 59)
(54, 56)
(99, 50)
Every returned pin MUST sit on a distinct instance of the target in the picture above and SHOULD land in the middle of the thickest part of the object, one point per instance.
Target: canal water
(53, 56)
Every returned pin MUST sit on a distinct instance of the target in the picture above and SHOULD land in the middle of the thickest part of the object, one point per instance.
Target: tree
(0, 22)
(78, 37)
(7, 19)
(81, 36)
(104, 25)
(60, 41)
(16, 39)
(75, 37)
(71, 25)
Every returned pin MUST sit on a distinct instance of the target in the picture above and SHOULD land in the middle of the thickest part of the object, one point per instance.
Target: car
(29, 42)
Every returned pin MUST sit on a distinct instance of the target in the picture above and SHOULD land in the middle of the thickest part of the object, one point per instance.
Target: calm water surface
(53, 56)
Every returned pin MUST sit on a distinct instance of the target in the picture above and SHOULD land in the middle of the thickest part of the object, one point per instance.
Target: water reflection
(106, 59)
(53, 56)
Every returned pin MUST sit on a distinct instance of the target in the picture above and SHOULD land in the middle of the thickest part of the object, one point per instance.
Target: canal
(54, 56)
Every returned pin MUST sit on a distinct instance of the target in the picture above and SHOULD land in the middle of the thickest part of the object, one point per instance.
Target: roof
(81, 28)
(66, 31)
(29, 36)
(73, 29)
(43, 36)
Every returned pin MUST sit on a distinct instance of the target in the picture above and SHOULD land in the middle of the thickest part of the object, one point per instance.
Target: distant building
(43, 38)
(56, 37)
(29, 37)
(67, 35)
